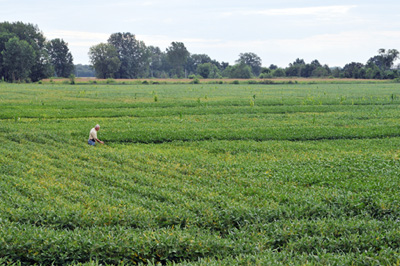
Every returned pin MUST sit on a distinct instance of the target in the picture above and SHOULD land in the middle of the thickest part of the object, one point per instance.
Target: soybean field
(200, 174)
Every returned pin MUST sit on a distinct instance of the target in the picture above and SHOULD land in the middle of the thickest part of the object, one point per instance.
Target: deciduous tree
(155, 61)
(105, 61)
(177, 55)
(18, 59)
(273, 67)
(132, 53)
(279, 72)
(252, 60)
(208, 70)
(35, 38)
(61, 58)
(239, 71)
(296, 68)
(194, 60)
(385, 60)
(352, 70)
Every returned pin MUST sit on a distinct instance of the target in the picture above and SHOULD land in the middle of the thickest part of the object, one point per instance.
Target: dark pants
(91, 142)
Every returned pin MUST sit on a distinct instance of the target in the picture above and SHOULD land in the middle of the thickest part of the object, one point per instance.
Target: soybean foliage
(195, 174)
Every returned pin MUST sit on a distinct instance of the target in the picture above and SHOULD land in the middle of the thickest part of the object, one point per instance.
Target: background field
(200, 174)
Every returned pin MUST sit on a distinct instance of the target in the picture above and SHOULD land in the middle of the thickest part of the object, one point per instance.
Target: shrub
(110, 81)
(265, 75)
(72, 79)
(279, 73)
(266, 81)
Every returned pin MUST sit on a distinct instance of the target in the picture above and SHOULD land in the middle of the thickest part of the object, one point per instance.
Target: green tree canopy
(252, 60)
(385, 60)
(177, 55)
(194, 60)
(296, 68)
(155, 61)
(279, 73)
(352, 70)
(105, 61)
(320, 72)
(27, 32)
(273, 67)
(238, 71)
(298, 61)
(18, 59)
(61, 58)
(41, 68)
(132, 53)
(208, 70)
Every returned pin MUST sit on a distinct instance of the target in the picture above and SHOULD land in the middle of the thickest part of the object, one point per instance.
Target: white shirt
(93, 134)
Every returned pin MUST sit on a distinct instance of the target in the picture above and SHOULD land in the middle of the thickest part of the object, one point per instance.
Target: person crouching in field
(93, 136)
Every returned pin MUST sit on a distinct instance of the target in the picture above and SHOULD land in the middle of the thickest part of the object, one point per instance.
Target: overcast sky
(334, 32)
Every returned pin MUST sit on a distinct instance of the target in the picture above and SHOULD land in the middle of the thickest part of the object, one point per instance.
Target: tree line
(123, 56)
(26, 55)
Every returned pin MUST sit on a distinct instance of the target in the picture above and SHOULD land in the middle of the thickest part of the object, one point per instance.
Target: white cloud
(161, 41)
(226, 14)
(202, 41)
(148, 3)
(347, 40)
(321, 42)
(305, 11)
(317, 11)
(79, 42)
(164, 41)
(78, 36)
(135, 20)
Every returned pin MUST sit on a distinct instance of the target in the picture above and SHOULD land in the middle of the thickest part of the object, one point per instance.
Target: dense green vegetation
(26, 55)
(200, 174)
(123, 56)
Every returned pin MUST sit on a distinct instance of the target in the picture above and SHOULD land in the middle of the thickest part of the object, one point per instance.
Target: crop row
(378, 123)
(118, 244)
